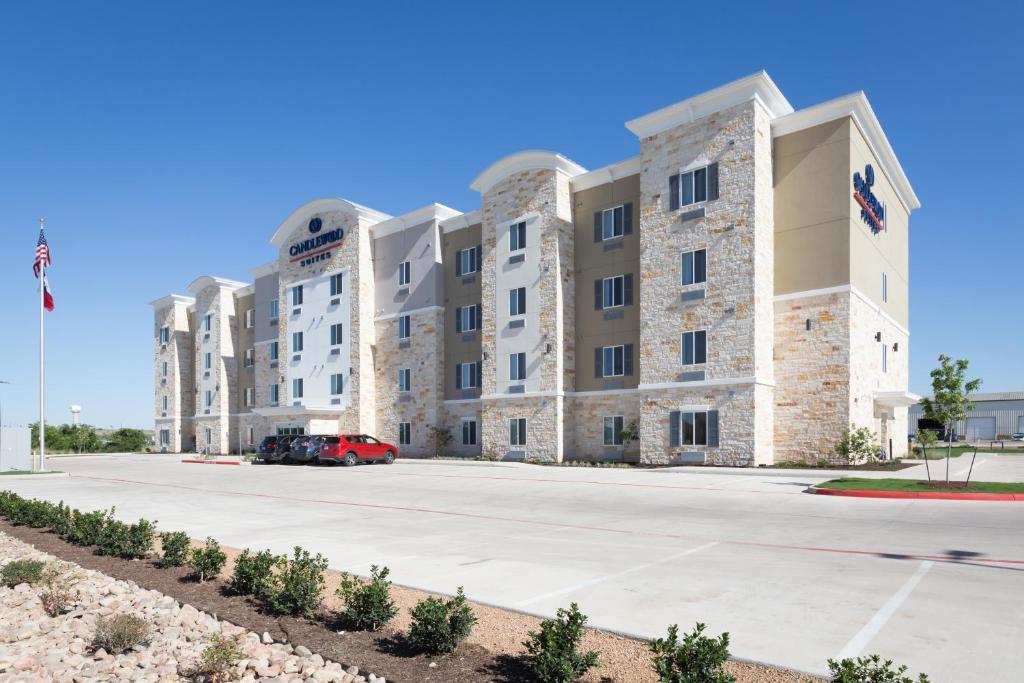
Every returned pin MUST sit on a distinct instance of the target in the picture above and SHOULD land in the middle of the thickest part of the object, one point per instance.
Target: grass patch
(12, 472)
(939, 452)
(911, 485)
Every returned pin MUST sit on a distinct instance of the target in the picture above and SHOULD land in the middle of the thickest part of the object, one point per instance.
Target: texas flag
(47, 296)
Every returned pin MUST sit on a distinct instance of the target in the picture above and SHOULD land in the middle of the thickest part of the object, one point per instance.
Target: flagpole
(42, 363)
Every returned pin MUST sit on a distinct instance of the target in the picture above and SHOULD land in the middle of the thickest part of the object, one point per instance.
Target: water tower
(75, 410)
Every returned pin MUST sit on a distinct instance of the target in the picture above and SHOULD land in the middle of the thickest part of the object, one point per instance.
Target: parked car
(297, 449)
(1017, 436)
(269, 449)
(350, 449)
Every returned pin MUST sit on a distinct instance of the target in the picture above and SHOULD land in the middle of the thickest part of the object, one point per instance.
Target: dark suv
(269, 449)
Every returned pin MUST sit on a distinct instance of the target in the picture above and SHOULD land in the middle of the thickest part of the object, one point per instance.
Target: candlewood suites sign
(317, 248)
(872, 211)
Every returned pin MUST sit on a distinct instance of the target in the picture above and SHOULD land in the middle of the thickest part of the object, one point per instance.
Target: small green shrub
(368, 604)
(218, 660)
(87, 527)
(254, 573)
(206, 562)
(127, 541)
(61, 520)
(698, 659)
(58, 593)
(857, 445)
(175, 548)
(38, 513)
(553, 653)
(438, 626)
(119, 633)
(21, 571)
(870, 670)
(298, 586)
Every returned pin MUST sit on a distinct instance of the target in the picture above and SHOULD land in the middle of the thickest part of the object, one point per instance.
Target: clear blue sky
(167, 140)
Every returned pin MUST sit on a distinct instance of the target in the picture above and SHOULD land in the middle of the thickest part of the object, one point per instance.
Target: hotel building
(737, 290)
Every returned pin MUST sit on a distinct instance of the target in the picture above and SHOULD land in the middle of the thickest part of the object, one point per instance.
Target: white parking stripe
(882, 616)
(602, 579)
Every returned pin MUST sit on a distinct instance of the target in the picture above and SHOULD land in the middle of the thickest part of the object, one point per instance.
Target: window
(403, 326)
(612, 289)
(337, 285)
(404, 433)
(336, 334)
(693, 429)
(208, 399)
(612, 223)
(297, 295)
(165, 437)
(695, 266)
(165, 334)
(163, 369)
(517, 236)
(613, 430)
(469, 431)
(517, 301)
(207, 360)
(695, 347)
(207, 322)
(273, 350)
(209, 436)
(467, 375)
(297, 387)
(689, 188)
(403, 273)
(296, 342)
(885, 357)
(337, 384)
(467, 261)
(404, 379)
(164, 403)
(252, 436)
(885, 288)
(250, 317)
(517, 366)
(273, 393)
(517, 431)
(249, 397)
(273, 309)
(613, 361)
(249, 359)
(467, 318)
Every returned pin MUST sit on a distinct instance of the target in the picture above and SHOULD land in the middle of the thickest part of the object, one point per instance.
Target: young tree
(440, 438)
(927, 439)
(950, 401)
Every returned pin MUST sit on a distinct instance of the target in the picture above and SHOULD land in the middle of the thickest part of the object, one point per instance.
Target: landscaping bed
(491, 653)
(877, 466)
(914, 486)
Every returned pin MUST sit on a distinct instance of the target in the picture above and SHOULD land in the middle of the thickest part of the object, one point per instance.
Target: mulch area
(385, 653)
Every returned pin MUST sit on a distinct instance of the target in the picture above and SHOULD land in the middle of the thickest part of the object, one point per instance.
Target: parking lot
(795, 578)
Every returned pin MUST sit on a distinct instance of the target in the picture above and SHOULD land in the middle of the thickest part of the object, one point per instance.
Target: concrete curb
(918, 495)
(214, 462)
(8, 477)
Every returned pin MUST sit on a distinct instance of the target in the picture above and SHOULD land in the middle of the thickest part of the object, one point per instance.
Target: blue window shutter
(673, 428)
(627, 360)
(458, 375)
(479, 374)
(479, 257)
(598, 362)
(458, 319)
(598, 295)
(712, 429)
(598, 232)
(627, 218)
(713, 181)
(673, 193)
(458, 263)
(627, 289)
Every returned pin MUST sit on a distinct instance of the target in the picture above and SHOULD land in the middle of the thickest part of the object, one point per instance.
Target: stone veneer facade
(787, 367)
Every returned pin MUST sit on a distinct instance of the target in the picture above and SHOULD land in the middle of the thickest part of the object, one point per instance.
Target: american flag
(42, 254)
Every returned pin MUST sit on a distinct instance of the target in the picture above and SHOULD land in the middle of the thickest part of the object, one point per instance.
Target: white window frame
(692, 173)
(297, 342)
(250, 318)
(163, 369)
(621, 350)
(164, 403)
(298, 390)
(404, 380)
(208, 396)
(469, 317)
(466, 258)
(615, 219)
(517, 362)
(693, 267)
(337, 384)
(404, 326)
(297, 295)
(469, 439)
(165, 334)
(608, 292)
(336, 339)
(275, 350)
(207, 322)
(517, 236)
(885, 358)
(252, 436)
(616, 433)
(682, 430)
(404, 273)
(209, 436)
(885, 287)
(275, 393)
(682, 348)
(337, 284)
(404, 433)
(468, 373)
(274, 309)
(207, 361)
(518, 430)
(250, 397)
(516, 313)
(249, 359)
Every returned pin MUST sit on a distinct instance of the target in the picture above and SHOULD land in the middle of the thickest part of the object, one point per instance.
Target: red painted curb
(929, 495)
(212, 462)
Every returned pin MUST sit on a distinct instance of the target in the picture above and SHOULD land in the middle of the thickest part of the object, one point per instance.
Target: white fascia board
(896, 399)
(757, 87)
(204, 281)
(857, 107)
(461, 221)
(606, 174)
(172, 299)
(245, 291)
(371, 216)
(524, 161)
(264, 270)
(430, 212)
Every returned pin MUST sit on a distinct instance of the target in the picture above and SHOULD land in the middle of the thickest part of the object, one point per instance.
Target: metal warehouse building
(993, 415)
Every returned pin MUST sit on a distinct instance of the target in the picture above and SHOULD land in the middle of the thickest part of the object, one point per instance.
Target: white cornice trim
(524, 161)
(607, 174)
(204, 281)
(245, 291)
(757, 87)
(265, 270)
(840, 289)
(461, 221)
(371, 216)
(392, 316)
(896, 399)
(857, 107)
(172, 299)
(430, 212)
(727, 381)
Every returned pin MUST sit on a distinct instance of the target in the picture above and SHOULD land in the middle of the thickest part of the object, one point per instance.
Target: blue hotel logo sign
(317, 248)
(872, 211)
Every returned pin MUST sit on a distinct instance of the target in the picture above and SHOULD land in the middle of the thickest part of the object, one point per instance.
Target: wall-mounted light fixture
(547, 348)
(896, 346)
(878, 336)
(810, 324)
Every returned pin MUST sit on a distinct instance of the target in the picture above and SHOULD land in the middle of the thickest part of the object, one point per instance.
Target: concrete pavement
(795, 578)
